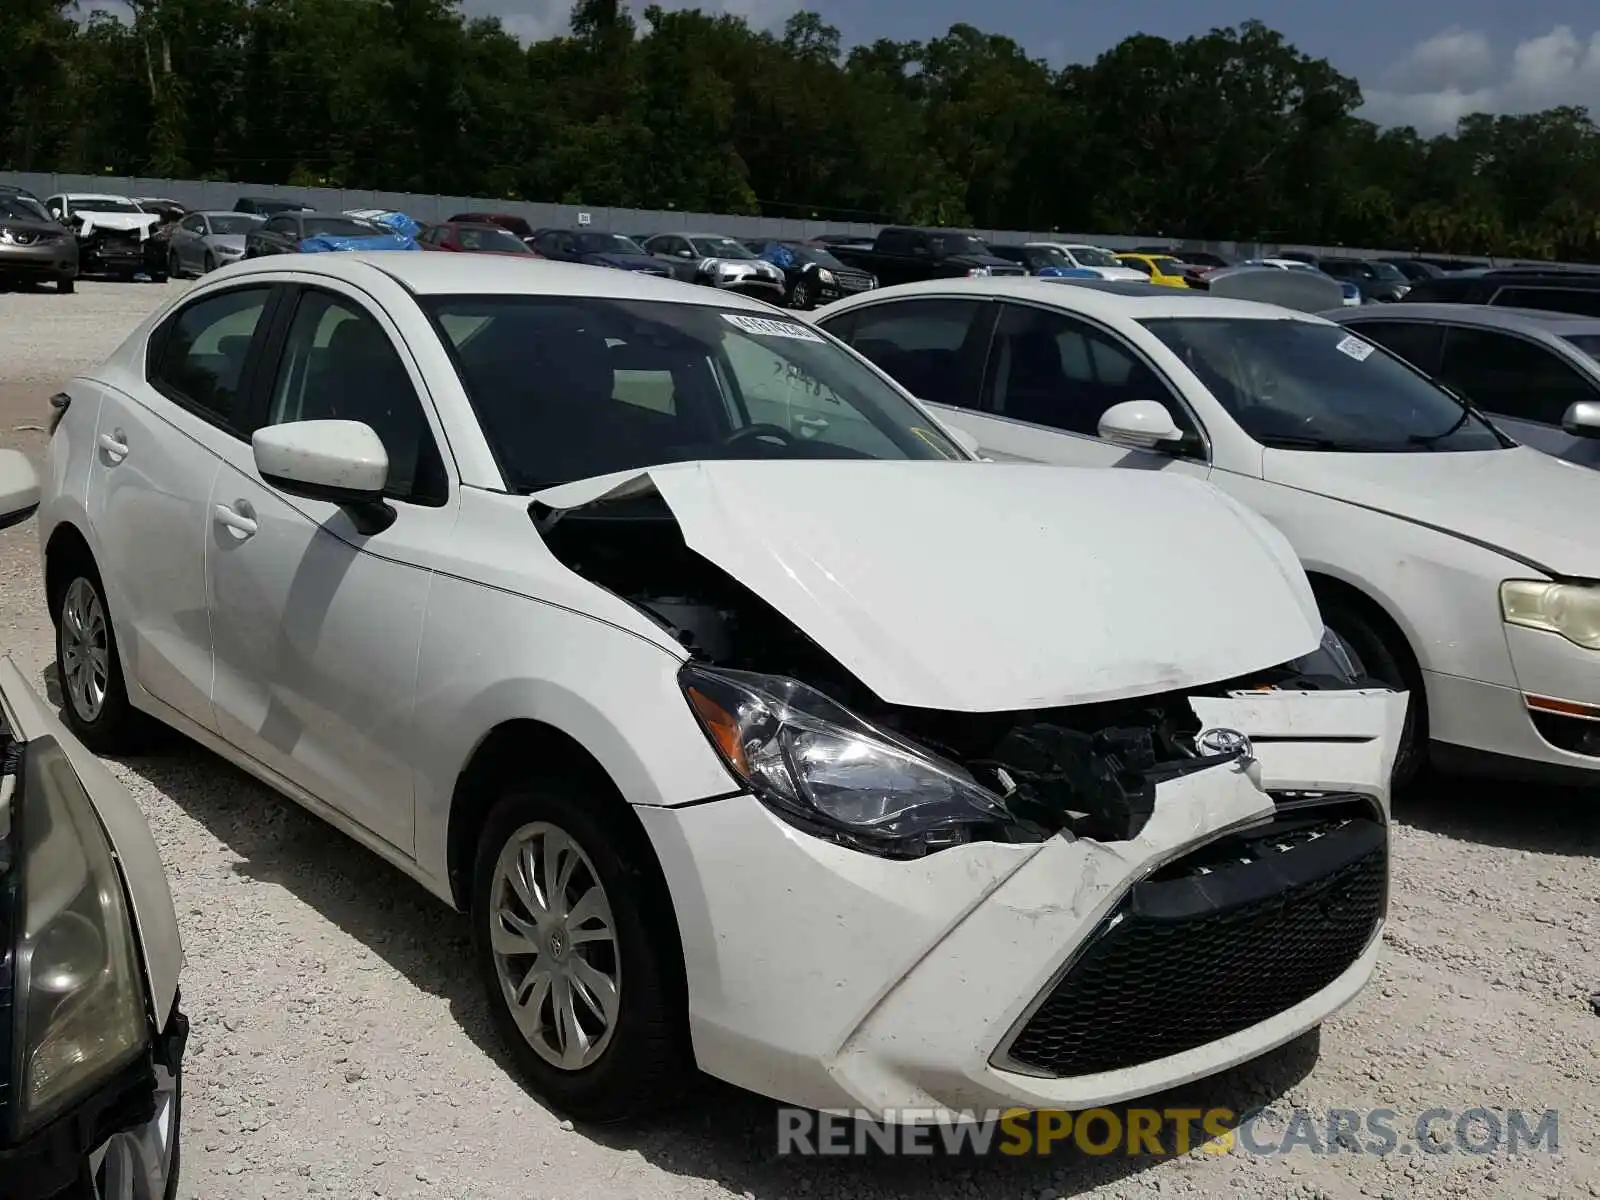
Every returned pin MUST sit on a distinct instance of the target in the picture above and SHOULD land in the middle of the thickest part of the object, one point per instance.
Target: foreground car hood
(1521, 502)
(998, 586)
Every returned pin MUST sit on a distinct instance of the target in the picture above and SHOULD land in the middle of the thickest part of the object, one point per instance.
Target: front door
(316, 625)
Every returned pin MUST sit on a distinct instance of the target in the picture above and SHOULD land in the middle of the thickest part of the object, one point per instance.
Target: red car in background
(474, 238)
(508, 221)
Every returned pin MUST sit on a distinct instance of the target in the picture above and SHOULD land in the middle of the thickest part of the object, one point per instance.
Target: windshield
(607, 243)
(719, 247)
(957, 243)
(571, 387)
(489, 238)
(1589, 343)
(1049, 256)
(1387, 272)
(1093, 256)
(1300, 385)
(20, 208)
(231, 224)
(345, 227)
(103, 204)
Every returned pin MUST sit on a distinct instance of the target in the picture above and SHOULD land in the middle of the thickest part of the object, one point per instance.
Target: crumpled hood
(996, 586)
(1521, 502)
(143, 223)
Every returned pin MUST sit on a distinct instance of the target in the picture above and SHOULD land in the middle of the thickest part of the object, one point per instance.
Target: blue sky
(1418, 63)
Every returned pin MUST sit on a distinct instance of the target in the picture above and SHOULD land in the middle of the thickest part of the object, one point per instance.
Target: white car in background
(91, 1036)
(1456, 563)
(755, 726)
(1098, 259)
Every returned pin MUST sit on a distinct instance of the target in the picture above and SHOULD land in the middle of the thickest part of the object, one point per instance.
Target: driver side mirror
(1582, 419)
(19, 488)
(1140, 425)
(341, 462)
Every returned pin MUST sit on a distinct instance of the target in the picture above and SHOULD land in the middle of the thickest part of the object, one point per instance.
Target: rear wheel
(94, 701)
(566, 926)
(1383, 654)
(211, 262)
(174, 265)
(67, 284)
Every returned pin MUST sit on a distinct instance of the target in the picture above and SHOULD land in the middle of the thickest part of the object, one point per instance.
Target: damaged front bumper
(840, 981)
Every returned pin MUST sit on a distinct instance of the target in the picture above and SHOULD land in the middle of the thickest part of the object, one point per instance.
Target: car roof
(1486, 316)
(96, 196)
(226, 212)
(1129, 299)
(490, 275)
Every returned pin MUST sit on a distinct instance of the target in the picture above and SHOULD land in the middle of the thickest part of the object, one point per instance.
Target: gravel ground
(340, 1048)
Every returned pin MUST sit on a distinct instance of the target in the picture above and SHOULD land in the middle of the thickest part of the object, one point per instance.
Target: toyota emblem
(1223, 741)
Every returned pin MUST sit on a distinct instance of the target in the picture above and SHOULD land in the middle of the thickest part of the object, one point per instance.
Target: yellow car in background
(1162, 268)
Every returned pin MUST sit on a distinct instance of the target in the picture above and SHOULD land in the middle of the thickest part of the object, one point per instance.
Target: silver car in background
(717, 261)
(204, 241)
(91, 1035)
(1535, 373)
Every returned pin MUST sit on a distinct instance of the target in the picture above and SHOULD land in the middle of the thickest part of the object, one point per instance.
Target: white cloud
(533, 20)
(1441, 80)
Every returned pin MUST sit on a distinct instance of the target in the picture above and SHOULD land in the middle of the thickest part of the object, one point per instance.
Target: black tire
(67, 284)
(174, 267)
(648, 1060)
(1381, 657)
(800, 295)
(115, 727)
(211, 262)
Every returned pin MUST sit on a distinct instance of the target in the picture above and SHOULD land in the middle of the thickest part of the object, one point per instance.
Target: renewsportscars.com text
(1152, 1132)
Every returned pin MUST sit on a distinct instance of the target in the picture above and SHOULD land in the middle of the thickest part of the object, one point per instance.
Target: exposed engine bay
(1090, 769)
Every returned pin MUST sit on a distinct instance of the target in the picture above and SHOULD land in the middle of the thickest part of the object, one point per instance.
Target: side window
(1418, 342)
(1567, 300)
(932, 348)
(1052, 370)
(1510, 377)
(339, 364)
(279, 225)
(1138, 264)
(193, 223)
(199, 354)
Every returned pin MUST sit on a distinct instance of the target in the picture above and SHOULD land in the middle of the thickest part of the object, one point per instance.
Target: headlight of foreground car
(1570, 609)
(1331, 657)
(79, 993)
(821, 767)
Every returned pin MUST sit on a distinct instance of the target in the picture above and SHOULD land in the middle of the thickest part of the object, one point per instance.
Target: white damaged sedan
(756, 727)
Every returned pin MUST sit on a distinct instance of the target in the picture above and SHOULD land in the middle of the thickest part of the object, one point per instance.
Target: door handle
(114, 444)
(240, 522)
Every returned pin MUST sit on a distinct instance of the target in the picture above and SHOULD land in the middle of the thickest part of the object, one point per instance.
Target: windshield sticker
(1355, 347)
(767, 327)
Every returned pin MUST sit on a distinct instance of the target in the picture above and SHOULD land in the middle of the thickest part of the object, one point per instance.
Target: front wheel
(1379, 656)
(94, 700)
(174, 267)
(67, 284)
(211, 262)
(800, 297)
(569, 942)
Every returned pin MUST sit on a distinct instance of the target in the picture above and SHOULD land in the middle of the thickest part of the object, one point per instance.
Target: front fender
(490, 657)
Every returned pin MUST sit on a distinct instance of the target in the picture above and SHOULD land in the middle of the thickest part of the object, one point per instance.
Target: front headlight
(978, 273)
(818, 765)
(1332, 657)
(79, 992)
(1570, 609)
(824, 274)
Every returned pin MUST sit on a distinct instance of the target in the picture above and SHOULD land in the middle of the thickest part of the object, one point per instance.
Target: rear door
(1525, 386)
